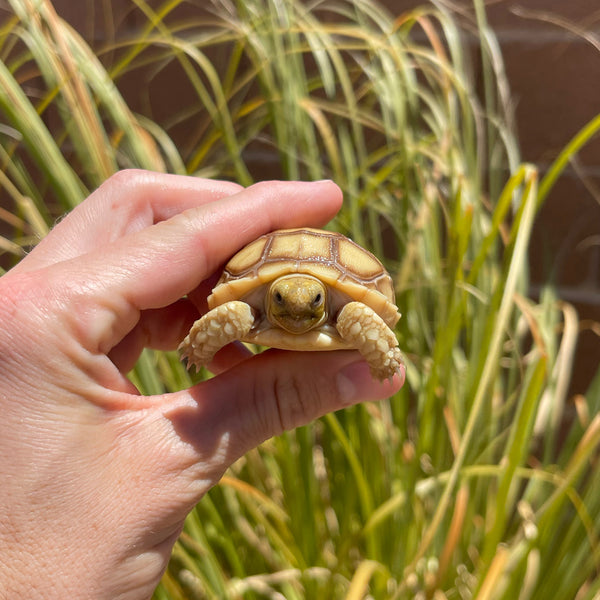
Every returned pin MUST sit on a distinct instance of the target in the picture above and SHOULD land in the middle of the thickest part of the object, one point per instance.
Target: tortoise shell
(348, 270)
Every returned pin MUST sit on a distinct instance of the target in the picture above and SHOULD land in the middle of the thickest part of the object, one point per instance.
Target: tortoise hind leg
(366, 331)
(217, 328)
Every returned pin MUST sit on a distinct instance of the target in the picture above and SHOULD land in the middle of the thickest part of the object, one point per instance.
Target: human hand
(97, 479)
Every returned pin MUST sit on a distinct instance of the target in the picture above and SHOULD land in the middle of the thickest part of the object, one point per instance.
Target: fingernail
(355, 384)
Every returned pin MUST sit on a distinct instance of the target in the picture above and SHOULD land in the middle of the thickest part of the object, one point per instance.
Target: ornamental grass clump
(476, 480)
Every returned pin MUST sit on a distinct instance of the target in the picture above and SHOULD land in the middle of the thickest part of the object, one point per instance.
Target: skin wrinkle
(92, 326)
(166, 263)
(48, 482)
(205, 190)
(81, 353)
(150, 332)
(270, 402)
(94, 320)
(73, 303)
(22, 346)
(264, 398)
(254, 393)
(188, 421)
(140, 193)
(135, 209)
(221, 443)
(191, 224)
(289, 400)
(26, 293)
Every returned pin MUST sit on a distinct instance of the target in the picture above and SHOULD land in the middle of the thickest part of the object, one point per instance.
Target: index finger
(156, 266)
(129, 201)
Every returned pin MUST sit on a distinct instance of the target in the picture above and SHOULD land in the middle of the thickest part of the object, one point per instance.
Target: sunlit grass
(475, 481)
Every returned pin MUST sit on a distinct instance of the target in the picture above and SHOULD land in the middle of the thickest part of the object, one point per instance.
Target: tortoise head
(297, 303)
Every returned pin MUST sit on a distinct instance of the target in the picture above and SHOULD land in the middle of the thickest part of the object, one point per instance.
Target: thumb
(275, 391)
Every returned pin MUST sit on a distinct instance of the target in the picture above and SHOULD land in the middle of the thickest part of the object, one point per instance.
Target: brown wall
(554, 75)
(553, 66)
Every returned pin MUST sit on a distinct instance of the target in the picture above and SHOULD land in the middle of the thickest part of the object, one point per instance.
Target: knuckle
(21, 314)
(128, 178)
(271, 190)
(123, 192)
(264, 187)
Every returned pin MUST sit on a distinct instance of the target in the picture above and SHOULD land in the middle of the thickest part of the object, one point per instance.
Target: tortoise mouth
(297, 303)
(296, 324)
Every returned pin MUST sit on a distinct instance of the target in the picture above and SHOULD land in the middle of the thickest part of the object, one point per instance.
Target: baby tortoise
(302, 289)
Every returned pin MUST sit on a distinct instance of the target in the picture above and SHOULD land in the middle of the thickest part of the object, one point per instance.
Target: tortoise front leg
(363, 329)
(217, 328)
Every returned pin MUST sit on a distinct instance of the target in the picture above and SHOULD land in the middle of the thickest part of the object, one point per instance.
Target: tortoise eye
(278, 297)
(317, 299)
